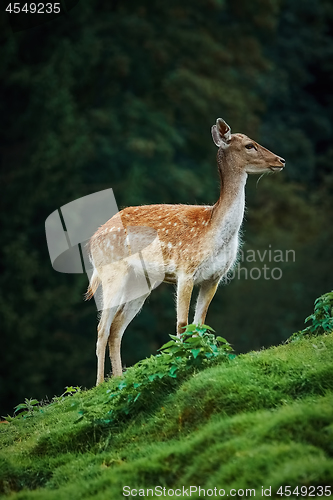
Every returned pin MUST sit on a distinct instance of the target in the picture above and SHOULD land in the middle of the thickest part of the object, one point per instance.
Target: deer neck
(228, 211)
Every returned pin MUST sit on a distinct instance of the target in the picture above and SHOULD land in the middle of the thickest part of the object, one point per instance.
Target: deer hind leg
(103, 330)
(184, 293)
(206, 294)
(112, 285)
(125, 289)
(122, 319)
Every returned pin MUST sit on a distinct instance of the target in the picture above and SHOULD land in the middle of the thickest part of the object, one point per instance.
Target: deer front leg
(206, 294)
(184, 293)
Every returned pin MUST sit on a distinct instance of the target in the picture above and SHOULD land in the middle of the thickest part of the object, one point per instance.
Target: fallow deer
(196, 245)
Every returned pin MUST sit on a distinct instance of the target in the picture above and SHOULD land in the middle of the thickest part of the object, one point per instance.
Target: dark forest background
(123, 95)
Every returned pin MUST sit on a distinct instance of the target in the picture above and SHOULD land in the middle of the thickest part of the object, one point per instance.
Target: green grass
(264, 419)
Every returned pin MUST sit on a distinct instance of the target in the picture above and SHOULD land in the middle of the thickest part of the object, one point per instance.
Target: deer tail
(94, 283)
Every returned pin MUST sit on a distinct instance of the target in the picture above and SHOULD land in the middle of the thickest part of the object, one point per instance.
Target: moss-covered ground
(261, 420)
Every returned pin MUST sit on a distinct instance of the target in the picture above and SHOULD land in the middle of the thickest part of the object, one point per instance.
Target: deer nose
(282, 160)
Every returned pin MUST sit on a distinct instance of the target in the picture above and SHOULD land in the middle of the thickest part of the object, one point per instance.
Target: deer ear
(216, 137)
(223, 129)
(221, 133)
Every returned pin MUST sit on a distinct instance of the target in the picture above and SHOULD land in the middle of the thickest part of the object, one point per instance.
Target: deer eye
(250, 146)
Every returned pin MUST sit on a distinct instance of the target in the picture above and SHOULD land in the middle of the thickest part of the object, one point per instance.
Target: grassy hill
(256, 422)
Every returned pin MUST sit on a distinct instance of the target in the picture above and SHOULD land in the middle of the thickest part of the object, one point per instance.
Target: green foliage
(322, 318)
(196, 345)
(180, 357)
(30, 406)
(266, 419)
(70, 391)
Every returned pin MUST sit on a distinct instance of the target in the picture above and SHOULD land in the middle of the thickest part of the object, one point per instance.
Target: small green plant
(24, 410)
(322, 318)
(196, 345)
(31, 406)
(70, 391)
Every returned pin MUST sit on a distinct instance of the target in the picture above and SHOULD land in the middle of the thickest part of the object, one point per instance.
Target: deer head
(246, 154)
